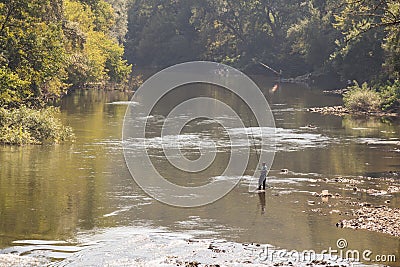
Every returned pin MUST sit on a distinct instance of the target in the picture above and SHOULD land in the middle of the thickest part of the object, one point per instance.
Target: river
(70, 192)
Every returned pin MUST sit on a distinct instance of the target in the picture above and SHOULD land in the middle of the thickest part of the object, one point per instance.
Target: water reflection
(261, 197)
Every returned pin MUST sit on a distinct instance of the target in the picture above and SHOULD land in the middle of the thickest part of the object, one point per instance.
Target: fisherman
(263, 176)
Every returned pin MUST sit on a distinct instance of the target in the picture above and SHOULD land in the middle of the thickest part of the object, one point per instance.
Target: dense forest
(50, 47)
(353, 39)
(341, 40)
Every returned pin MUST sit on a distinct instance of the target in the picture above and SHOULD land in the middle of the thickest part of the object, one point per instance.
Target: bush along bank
(382, 100)
(364, 98)
(21, 126)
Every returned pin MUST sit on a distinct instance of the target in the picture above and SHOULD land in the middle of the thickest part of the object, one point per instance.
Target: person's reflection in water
(261, 197)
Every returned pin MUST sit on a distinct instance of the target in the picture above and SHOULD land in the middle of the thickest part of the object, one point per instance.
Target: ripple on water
(379, 141)
(284, 140)
(132, 103)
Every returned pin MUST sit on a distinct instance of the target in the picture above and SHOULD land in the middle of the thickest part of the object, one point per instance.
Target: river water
(52, 196)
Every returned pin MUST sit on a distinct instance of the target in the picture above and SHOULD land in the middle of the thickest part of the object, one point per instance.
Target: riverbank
(381, 214)
(136, 246)
(378, 219)
(21, 261)
(343, 111)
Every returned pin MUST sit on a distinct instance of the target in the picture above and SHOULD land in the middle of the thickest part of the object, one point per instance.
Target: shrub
(391, 96)
(30, 126)
(362, 98)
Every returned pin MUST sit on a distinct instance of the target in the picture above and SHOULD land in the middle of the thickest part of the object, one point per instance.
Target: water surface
(55, 193)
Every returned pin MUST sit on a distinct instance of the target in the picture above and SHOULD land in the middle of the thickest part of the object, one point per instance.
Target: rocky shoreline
(23, 261)
(378, 219)
(336, 92)
(342, 111)
(381, 215)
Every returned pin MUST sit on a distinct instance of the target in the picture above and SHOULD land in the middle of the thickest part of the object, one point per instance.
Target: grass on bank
(367, 99)
(24, 125)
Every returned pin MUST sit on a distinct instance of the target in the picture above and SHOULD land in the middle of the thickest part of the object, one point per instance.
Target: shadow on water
(70, 191)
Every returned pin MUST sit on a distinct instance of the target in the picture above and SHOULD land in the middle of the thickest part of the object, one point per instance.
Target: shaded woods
(343, 40)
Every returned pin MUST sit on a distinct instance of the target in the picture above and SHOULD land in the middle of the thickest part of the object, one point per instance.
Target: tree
(313, 36)
(120, 27)
(235, 32)
(161, 34)
(379, 19)
(94, 56)
(31, 51)
(45, 46)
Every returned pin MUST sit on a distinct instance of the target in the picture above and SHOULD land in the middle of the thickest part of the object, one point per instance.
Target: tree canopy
(48, 46)
(375, 19)
(349, 38)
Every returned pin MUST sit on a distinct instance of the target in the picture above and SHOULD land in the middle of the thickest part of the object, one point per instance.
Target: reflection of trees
(37, 196)
(48, 192)
(374, 127)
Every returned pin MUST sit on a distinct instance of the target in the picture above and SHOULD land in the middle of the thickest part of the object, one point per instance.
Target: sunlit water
(55, 199)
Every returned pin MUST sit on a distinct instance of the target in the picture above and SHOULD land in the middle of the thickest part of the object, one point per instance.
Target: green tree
(235, 32)
(120, 27)
(94, 56)
(390, 93)
(31, 51)
(161, 34)
(372, 19)
(313, 36)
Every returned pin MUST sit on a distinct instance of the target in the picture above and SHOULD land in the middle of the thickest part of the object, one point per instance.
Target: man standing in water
(263, 176)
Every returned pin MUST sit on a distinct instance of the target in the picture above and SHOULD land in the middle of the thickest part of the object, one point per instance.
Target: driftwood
(306, 78)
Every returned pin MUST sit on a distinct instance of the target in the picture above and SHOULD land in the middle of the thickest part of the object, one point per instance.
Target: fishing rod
(271, 69)
(254, 141)
(279, 73)
(254, 144)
